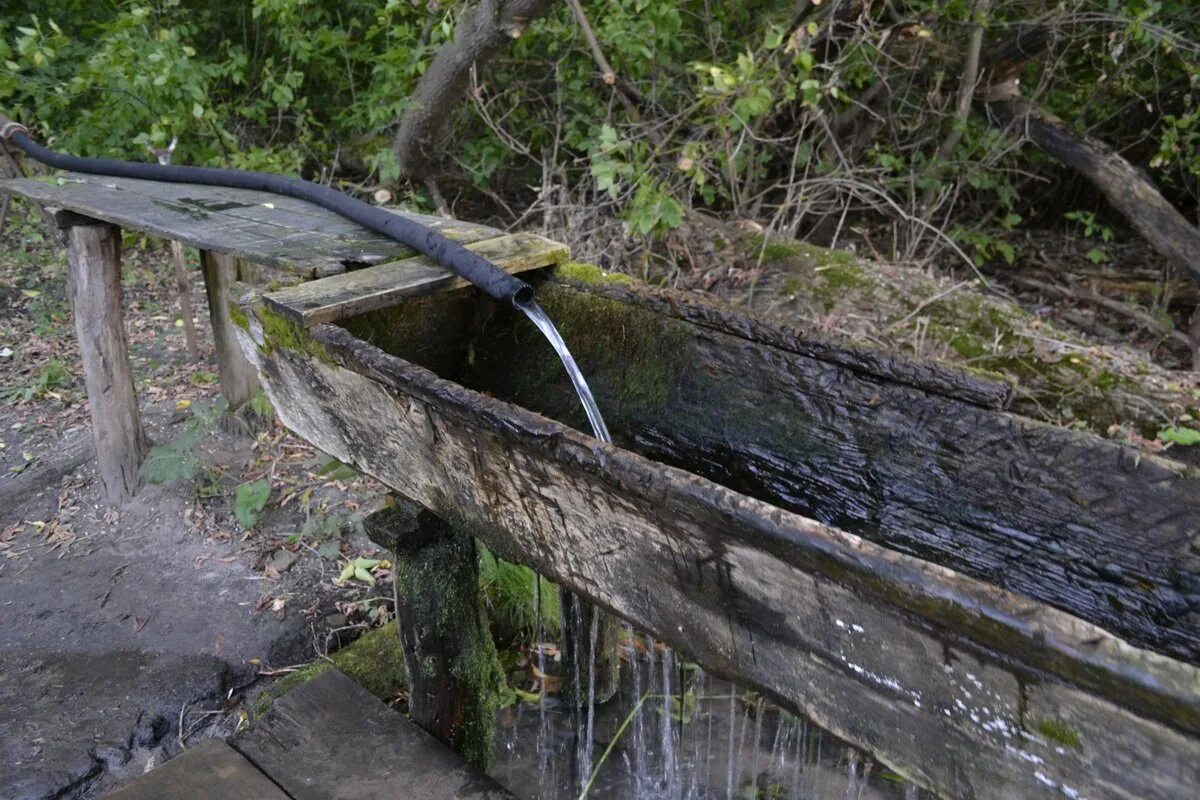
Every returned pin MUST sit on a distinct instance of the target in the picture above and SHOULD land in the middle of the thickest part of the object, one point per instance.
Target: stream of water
(670, 727)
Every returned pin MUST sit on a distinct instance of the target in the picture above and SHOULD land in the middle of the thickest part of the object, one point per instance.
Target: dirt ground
(127, 636)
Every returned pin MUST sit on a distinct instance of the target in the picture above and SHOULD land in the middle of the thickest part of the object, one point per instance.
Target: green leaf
(1181, 436)
(250, 500)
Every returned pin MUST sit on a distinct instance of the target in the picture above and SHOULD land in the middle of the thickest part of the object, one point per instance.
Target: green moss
(374, 661)
(437, 582)
(589, 274)
(1058, 732)
(430, 331)
(279, 332)
(238, 316)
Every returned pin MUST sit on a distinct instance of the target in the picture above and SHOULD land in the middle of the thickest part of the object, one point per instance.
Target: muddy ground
(125, 637)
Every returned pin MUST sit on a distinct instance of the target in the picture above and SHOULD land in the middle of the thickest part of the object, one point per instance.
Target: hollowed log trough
(994, 607)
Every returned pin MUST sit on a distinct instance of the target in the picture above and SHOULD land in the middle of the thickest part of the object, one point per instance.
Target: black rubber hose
(451, 255)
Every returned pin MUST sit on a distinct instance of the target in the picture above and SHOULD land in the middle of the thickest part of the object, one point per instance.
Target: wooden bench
(255, 237)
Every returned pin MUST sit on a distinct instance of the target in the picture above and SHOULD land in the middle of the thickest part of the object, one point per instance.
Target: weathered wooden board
(350, 293)
(1068, 518)
(964, 687)
(94, 281)
(330, 739)
(212, 770)
(258, 226)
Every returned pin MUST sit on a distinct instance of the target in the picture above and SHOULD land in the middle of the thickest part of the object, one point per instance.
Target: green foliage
(510, 596)
(1180, 436)
(260, 404)
(734, 110)
(249, 501)
(52, 375)
(178, 459)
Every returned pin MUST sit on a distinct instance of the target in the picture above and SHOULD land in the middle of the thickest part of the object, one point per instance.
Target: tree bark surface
(482, 32)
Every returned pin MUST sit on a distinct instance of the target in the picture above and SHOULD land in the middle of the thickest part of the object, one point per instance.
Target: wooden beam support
(238, 378)
(94, 283)
(452, 665)
(341, 296)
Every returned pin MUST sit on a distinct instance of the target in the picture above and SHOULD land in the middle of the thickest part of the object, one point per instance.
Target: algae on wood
(453, 669)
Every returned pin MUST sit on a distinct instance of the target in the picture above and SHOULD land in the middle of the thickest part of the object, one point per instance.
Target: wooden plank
(1064, 517)
(94, 282)
(966, 688)
(212, 770)
(331, 739)
(340, 296)
(259, 226)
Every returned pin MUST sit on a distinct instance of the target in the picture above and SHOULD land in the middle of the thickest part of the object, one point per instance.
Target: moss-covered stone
(375, 661)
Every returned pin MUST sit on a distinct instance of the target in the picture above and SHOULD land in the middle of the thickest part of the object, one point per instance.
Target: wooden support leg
(590, 639)
(94, 278)
(453, 669)
(184, 287)
(238, 378)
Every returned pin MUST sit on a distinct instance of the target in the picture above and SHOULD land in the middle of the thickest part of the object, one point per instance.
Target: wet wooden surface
(963, 686)
(212, 770)
(258, 226)
(330, 739)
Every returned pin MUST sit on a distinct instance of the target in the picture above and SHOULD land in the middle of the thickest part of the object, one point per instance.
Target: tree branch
(481, 32)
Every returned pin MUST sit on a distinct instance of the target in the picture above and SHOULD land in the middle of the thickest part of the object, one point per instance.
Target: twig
(925, 303)
(1142, 318)
(966, 95)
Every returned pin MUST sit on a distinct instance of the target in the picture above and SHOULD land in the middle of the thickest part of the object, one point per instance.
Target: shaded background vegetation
(809, 119)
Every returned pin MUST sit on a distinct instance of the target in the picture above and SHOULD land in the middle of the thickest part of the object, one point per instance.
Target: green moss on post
(455, 674)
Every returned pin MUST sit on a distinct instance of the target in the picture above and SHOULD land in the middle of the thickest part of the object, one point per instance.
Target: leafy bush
(805, 123)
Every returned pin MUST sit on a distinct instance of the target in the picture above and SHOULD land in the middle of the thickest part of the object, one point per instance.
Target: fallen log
(790, 521)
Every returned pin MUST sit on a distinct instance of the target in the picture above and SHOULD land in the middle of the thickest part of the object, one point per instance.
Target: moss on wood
(280, 332)
(374, 661)
(1058, 377)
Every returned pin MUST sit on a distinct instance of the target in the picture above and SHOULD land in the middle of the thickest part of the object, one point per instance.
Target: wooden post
(453, 670)
(94, 281)
(184, 288)
(238, 378)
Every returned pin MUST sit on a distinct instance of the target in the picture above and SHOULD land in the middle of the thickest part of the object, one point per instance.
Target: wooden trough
(994, 607)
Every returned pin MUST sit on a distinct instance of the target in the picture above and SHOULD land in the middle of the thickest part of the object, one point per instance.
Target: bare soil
(128, 636)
